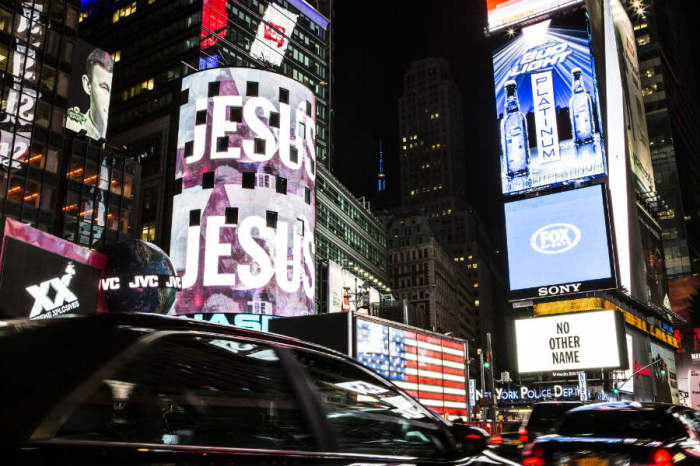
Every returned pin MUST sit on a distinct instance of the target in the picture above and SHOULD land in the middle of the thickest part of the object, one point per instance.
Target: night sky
(375, 44)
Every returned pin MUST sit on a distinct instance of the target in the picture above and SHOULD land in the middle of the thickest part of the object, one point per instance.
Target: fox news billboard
(547, 105)
(244, 211)
(571, 342)
(559, 244)
(504, 13)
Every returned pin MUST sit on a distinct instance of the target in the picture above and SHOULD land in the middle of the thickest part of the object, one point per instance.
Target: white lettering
(213, 251)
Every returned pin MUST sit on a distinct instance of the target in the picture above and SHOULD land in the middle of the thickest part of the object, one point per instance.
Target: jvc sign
(579, 341)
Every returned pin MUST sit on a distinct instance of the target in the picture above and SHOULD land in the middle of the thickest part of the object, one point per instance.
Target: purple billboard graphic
(244, 211)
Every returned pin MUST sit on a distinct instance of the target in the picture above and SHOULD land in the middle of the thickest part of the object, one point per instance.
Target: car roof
(141, 321)
(623, 405)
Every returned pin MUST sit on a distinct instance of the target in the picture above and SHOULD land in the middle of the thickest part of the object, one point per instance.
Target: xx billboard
(547, 106)
(244, 213)
(559, 244)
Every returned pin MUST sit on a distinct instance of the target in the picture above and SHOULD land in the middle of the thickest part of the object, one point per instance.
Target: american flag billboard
(429, 368)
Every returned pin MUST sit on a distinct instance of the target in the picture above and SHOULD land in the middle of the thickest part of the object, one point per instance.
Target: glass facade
(98, 203)
(36, 46)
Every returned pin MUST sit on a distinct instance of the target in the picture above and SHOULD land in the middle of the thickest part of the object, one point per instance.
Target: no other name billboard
(559, 244)
(578, 341)
(244, 216)
(547, 105)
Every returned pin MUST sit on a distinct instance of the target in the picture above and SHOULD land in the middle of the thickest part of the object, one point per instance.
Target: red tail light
(534, 456)
(473, 436)
(523, 435)
(661, 457)
(497, 439)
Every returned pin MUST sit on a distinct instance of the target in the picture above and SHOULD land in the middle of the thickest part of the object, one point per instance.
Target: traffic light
(487, 359)
(663, 369)
(616, 391)
(487, 364)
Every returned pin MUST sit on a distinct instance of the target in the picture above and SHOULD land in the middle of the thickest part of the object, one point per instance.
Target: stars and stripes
(429, 368)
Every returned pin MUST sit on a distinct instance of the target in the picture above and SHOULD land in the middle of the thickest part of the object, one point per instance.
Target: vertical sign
(545, 117)
(472, 392)
(582, 386)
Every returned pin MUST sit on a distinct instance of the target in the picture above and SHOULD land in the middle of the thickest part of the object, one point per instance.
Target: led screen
(583, 340)
(503, 13)
(90, 90)
(558, 239)
(273, 34)
(348, 292)
(547, 106)
(243, 220)
(429, 368)
(43, 276)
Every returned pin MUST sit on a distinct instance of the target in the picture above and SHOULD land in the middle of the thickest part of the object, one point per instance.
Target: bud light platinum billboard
(547, 106)
(244, 211)
(559, 244)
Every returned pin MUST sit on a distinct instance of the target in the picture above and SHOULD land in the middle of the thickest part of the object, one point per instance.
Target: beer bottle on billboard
(514, 138)
(581, 110)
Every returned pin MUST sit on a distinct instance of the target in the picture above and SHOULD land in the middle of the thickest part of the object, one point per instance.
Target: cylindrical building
(244, 204)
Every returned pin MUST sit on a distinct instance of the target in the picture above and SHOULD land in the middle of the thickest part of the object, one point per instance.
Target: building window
(148, 232)
(213, 89)
(284, 95)
(281, 185)
(275, 120)
(300, 227)
(222, 144)
(249, 180)
(251, 89)
(293, 154)
(201, 118)
(124, 12)
(235, 114)
(643, 40)
(231, 215)
(307, 195)
(259, 146)
(271, 219)
(189, 148)
(207, 180)
(195, 216)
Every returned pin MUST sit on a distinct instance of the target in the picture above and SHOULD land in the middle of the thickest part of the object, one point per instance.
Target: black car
(544, 418)
(145, 389)
(621, 433)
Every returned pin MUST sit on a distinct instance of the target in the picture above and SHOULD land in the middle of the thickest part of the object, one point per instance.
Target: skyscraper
(434, 180)
(670, 103)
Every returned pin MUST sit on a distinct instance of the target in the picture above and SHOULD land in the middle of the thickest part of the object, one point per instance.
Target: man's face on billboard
(98, 86)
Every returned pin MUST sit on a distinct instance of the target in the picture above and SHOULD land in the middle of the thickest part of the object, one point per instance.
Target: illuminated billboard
(90, 91)
(274, 32)
(43, 276)
(567, 342)
(504, 13)
(347, 292)
(558, 244)
(244, 211)
(428, 367)
(548, 107)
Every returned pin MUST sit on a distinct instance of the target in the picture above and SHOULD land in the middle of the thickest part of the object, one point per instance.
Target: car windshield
(622, 423)
(545, 417)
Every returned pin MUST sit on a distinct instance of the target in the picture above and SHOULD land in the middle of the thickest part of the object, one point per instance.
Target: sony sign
(579, 341)
(555, 290)
(243, 224)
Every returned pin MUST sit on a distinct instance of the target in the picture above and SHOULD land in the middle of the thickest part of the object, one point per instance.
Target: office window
(235, 114)
(251, 89)
(284, 96)
(259, 146)
(271, 219)
(201, 117)
(213, 89)
(275, 119)
(249, 180)
(189, 148)
(221, 144)
(281, 185)
(231, 214)
(195, 216)
(208, 180)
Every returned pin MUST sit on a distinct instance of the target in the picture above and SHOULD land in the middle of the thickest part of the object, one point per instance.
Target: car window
(369, 415)
(545, 417)
(195, 390)
(622, 423)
